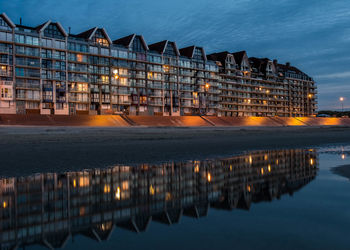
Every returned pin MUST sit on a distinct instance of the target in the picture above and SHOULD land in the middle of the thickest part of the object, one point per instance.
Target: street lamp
(341, 99)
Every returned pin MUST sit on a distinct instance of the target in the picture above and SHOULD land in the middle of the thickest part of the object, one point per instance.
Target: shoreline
(29, 150)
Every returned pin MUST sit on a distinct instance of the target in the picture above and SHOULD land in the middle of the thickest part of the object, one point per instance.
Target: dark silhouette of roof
(220, 57)
(124, 41)
(86, 34)
(159, 46)
(259, 64)
(239, 56)
(188, 51)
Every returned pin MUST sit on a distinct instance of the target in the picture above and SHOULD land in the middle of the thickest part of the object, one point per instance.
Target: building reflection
(48, 209)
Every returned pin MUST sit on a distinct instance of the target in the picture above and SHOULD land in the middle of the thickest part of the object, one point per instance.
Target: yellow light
(106, 189)
(249, 100)
(341, 99)
(115, 71)
(207, 85)
(262, 171)
(267, 91)
(343, 156)
(151, 190)
(117, 193)
(116, 77)
(4, 204)
(168, 196)
(311, 161)
(209, 177)
(3, 67)
(248, 188)
(310, 95)
(196, 169)
(277, 161)
(269, 168)
(230, 167)
(250, 160)
(266, 157)
(74, 183)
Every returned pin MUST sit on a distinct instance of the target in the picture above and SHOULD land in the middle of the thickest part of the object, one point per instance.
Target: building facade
(45, 70)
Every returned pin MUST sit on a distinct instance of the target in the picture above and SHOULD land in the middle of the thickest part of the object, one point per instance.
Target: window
(4, 36)
(53, 31)
(100, 39)
(19, 38)
(4, 25)
(46, 42)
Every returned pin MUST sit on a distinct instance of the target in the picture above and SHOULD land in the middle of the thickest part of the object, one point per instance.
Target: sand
(28, 150)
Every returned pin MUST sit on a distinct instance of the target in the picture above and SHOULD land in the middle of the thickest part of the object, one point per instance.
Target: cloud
(345, 74)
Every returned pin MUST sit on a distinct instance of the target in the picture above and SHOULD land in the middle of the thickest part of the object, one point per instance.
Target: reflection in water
(48, 209)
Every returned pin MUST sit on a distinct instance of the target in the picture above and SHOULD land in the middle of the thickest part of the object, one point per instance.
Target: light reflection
(147, 191)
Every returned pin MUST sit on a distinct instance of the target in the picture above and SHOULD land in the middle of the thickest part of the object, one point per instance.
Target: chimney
(288, 64)
(20, 20)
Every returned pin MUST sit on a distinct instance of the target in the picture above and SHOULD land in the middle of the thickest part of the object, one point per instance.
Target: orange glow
(250, 160)
(248, 188)
(277, 161)
(125, 185)
(106, 189)
(117, 193)
(230, 167)
(310, 96)
(79, 58)
(168, 196)
(209, 177)
(74, 183)
(4, 204)
(269, 168)
(84, 181)
(196, 169)
(82, 211)
(311, 162)
(262, 171)
(151, 190)
(266, 157)
(343, 156)
(207, 86)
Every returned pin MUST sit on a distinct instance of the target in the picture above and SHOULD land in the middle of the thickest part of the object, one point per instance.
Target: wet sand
(28, 150)
(342, 171)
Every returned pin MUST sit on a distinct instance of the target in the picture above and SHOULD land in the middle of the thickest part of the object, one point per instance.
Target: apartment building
(49, 209)
(46, 70)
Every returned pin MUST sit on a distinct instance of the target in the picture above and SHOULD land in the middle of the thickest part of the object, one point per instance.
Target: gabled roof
(160, 47)
(43, 26)
(7, 20)
(87, 34)
(128, 40)
(219, 57)
(260, 64)
(189, 52)
(239, 56)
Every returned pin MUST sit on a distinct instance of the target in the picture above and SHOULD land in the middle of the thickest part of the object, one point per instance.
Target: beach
(29, 150)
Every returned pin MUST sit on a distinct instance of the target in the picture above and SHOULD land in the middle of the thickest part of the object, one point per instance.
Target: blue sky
(313, 35)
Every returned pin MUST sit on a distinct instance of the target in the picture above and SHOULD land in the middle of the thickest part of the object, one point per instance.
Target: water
(280, 199)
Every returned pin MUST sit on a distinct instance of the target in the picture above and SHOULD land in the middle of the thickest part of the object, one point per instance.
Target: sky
(314, 35)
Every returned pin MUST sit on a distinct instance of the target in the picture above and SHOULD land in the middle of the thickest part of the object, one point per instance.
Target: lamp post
(207, 87)
(341, 99)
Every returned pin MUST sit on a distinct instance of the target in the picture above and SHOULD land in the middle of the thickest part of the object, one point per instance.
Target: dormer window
(53, 31)
(100, 39)
(198, 54)
(4, 25)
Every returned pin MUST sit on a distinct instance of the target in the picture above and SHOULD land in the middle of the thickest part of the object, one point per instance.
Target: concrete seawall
(158, 121)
